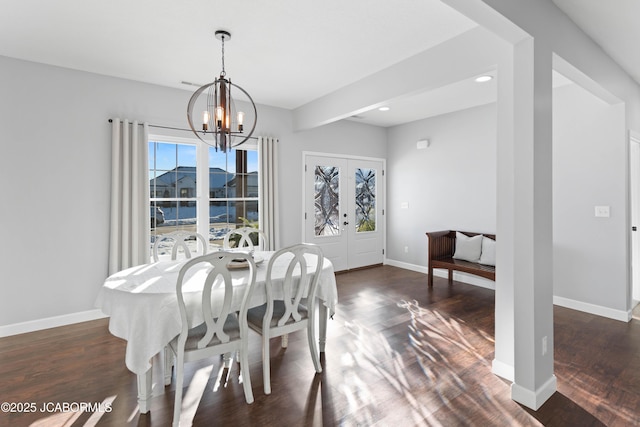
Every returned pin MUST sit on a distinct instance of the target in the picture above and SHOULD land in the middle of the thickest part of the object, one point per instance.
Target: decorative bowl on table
(240, 263)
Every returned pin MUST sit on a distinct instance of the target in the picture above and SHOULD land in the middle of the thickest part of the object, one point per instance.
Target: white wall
(452, 185)
(449, 186)
(589, 169)
(55, 167)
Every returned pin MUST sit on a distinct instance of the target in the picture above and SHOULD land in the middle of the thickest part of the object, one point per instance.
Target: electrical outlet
(406, 249)
(544, 345)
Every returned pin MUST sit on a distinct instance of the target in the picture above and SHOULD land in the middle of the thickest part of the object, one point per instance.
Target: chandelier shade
(223, 124)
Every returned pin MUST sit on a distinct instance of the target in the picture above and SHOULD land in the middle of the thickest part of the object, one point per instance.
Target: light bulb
(205, 120)
(240, 120)
(219, 116)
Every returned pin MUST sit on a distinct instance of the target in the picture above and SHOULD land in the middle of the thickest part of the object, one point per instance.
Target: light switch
(602, 211)
(404, 205)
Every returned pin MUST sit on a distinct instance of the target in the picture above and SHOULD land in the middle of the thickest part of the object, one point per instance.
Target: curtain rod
(172, 128)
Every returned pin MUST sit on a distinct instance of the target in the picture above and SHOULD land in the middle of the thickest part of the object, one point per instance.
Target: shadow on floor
(559, 410)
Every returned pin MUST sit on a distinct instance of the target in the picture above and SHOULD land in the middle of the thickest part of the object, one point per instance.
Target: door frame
(305, 154)
(634, 203)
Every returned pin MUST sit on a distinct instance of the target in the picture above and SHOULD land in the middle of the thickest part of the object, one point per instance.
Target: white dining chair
(290, 302)
(244, 238)
(178, 243)
(221, 330)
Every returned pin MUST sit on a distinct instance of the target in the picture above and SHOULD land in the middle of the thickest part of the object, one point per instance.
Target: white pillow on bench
(488, 256)
(468, 248)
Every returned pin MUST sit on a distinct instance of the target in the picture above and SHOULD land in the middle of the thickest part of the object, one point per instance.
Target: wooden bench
(442, 246)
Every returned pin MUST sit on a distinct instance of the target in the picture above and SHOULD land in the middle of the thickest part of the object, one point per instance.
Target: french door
(344, 207)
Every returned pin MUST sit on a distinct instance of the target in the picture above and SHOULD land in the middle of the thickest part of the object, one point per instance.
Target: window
(172, 180)
(181, 186)
(233, 189)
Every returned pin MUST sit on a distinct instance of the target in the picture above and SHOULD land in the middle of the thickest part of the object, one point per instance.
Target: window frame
(202, 198)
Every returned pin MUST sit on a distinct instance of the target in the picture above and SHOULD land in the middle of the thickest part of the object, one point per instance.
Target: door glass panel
(327, 201)
(365, 200)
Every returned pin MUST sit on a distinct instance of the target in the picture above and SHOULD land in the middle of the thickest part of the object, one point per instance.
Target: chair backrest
(303, 268)
(177, 240)
(243, 237)
(213, 270)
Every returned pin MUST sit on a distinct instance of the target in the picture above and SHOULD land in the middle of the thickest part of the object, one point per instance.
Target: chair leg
(266, 367)
(313, 347)
(228, 359)
(168, 365)
(244, 371)
(177, 404)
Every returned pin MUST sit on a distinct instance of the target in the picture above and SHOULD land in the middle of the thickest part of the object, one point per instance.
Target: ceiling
(612, 25)
(285, 53)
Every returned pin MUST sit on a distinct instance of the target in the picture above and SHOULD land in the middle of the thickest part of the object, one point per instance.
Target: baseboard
(407, 266)
(598, 310)
(623, 316)
(457, 276)
(534, 399)
(503, 370)
(50, 322)
(467, 278)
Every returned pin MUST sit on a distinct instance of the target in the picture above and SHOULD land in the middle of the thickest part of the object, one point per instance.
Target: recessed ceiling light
(483, 79)
(384, 108)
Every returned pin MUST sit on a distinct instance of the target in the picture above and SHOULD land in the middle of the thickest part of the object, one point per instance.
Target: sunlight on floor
(193, 393)
(453, 357)
(72, 411)
(59, 419)
(581, 383)
(96, 416)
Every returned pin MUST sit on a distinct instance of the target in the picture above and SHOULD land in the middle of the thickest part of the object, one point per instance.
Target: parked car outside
(157, 216)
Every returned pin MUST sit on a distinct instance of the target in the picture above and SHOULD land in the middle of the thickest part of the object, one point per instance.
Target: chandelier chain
(223, 72)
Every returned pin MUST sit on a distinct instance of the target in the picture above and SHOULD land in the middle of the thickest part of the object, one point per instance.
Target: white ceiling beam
(577, 76)
(488, 17)
(459, 58)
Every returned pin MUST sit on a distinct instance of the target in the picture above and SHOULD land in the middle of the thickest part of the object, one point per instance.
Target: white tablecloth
(143, 308)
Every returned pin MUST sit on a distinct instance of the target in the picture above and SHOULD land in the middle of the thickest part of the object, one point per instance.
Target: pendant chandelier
(223, 126)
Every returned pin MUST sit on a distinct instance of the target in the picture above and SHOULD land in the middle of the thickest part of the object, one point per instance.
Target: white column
(524, 288)
(503, 361)
(534, 381)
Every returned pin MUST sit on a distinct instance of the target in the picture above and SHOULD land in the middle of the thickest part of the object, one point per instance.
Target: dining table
(142, 306)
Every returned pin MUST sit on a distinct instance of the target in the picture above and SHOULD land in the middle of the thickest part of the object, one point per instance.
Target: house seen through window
(193, 187)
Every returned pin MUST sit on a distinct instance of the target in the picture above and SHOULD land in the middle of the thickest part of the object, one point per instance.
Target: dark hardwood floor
(398, 354)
